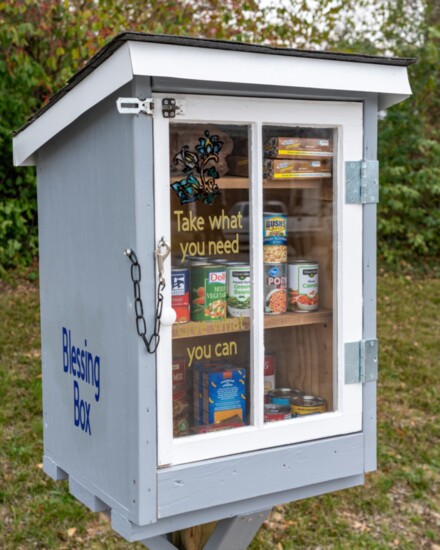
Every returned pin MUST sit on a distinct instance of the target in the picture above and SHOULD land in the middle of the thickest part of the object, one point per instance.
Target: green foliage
(44, 42)
(409, 152)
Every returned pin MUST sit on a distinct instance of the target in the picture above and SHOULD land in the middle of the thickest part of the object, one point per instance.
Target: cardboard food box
(238, 166)
(294, 147)
(283, 169)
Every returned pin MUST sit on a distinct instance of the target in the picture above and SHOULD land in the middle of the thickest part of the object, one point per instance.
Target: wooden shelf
(231, 182)
(232, 325)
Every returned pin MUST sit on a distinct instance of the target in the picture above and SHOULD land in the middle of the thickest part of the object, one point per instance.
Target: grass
(398, 507)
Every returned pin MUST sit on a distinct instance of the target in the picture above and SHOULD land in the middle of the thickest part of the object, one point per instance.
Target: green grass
(398, 507)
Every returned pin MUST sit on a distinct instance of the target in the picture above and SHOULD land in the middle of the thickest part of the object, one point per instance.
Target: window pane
(209, 194)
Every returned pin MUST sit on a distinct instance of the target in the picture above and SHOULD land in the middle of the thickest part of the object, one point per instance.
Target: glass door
(265, 275)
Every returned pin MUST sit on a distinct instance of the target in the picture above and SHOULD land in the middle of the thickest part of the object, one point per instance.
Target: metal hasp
(134, 106)
(362, 182)
(361, 361)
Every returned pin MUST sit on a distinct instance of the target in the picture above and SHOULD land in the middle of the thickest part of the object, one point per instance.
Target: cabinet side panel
(89, 343)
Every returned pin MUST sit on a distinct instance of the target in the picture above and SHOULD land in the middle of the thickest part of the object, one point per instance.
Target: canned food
(274, 237)
(238, 290)
(269, 372)
(307, 404)
(198, 260)
(180, 294)
(275, 286)
(208, 293)
(274, 412)
(284, 396)
(303, 285)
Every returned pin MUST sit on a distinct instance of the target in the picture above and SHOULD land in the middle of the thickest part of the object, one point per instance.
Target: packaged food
(274, 237)
(208, 293)
(303, 283)
(297, 147)
(283, 169)
(307, 404)
(238, 290)
(274, 412)
(269, 372)
(275, 288)
(180, 294)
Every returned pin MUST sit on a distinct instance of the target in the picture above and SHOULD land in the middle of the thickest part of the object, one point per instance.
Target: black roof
(214, 44)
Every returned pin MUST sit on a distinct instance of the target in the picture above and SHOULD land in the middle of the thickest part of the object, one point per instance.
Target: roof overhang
(251, 65)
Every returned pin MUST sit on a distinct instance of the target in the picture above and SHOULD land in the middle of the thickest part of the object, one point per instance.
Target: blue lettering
(76, 403)
(81, 410)
(83, 367)
(65, 354)
(73, 353)
(97, 376)
(81, 372)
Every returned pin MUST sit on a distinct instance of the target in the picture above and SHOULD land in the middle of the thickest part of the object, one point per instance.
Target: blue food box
(224, 394)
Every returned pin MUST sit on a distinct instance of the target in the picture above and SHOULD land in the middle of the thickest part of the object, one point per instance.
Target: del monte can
(208, 293)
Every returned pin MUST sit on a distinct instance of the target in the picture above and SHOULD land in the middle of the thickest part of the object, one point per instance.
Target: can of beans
(208, 293)
(275, 288)
(274, 237)
(180, 294)
(273, 412)
(307, 404)
(238, 277)
(284, 396)
(303, 291)
(269, 373)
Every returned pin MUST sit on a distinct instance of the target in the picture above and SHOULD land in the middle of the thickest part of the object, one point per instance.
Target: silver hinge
(362, 182)
(361, 361)
(133, 106)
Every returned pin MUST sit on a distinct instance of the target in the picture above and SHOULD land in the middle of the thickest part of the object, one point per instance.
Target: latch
(361, 361)
(362, 182)
(133, 106)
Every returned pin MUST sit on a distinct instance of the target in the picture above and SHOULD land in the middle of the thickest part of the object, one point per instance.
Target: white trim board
(196, 63)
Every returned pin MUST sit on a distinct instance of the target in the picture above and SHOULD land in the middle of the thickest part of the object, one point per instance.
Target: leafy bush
(409, 152)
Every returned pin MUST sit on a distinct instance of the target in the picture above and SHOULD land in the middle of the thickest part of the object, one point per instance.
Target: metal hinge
(362, 182)
(361, 361)
(133, 106)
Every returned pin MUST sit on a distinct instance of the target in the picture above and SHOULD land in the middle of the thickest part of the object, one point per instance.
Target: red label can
(273, 412)
(180, 294)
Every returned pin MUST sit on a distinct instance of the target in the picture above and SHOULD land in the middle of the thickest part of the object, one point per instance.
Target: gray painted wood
(369, 287)
(197, 486)
(236, 533)
(86, 219)
(86, 497)
(134, 532)
(143, 459)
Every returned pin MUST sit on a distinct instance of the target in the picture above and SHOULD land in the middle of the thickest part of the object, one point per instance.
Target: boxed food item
(295, 168)
(219, 393)
(296, 147)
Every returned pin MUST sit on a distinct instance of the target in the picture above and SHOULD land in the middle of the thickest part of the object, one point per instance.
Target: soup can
(307, 404)
(274, 412)
(275, 288)
(180, 294)
(208, 293)
(303, 282)
(238, 287)
(274, 237)
(284, 396)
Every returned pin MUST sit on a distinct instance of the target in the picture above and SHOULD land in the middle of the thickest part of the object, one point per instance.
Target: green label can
(208, 293)
(239, 290)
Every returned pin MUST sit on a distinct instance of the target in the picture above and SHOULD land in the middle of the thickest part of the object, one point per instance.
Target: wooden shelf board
(231, 182)
(195, 329)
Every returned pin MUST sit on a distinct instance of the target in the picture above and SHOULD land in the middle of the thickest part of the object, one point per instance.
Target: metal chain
(150, 343)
